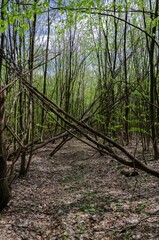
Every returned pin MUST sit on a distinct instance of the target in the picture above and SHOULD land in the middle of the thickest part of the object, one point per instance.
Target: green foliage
(93, 68)
(116, 127)
(84, 3)
(100, 119)
(155, 22)
(3, 25)
(88, 209)
(138, 130)
(41, 126)
(16, 13)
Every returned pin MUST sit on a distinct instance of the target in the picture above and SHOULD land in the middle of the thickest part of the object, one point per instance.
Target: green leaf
(155, 22)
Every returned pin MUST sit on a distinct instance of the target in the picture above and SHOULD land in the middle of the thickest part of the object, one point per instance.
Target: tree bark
(4, 188)
(126, 82)
(153, 84)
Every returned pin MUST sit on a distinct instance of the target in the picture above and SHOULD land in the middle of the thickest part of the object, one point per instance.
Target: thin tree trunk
(4, 188)
(30, 131)
(45, 73)
(153, 86)
(126, 84)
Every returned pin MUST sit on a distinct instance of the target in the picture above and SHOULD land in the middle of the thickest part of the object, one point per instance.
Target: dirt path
(79, 194)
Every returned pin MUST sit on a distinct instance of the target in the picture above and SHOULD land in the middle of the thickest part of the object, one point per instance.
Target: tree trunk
(153, 86)
(4, 188)
(43, 115)
(126, 82)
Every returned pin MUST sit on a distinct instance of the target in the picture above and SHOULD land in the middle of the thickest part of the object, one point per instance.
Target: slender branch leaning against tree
(134, 162)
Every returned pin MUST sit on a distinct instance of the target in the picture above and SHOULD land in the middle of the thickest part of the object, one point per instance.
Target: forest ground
(79, 194)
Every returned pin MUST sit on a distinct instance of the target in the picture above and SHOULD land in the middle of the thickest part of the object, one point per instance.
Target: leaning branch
(86, 130)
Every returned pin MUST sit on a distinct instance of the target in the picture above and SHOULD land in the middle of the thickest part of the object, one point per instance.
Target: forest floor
(78, 194)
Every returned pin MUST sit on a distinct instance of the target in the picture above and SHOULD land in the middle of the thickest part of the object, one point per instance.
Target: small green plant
(127, 236)
(87, 208)
(40, 230)
(141, 207)
(65, 237)
(82, 228)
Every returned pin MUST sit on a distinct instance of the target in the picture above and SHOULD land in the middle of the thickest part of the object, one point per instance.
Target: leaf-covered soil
(79, 194)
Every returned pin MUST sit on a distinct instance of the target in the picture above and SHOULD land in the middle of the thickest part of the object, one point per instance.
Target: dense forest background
(84, 69)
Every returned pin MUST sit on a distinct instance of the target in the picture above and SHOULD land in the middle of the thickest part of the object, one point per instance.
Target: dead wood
(86, 131)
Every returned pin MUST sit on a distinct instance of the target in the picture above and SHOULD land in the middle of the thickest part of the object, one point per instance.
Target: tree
(4, 188)
(153, 77)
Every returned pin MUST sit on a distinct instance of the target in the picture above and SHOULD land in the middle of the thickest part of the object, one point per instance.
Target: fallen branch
(86, 130)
